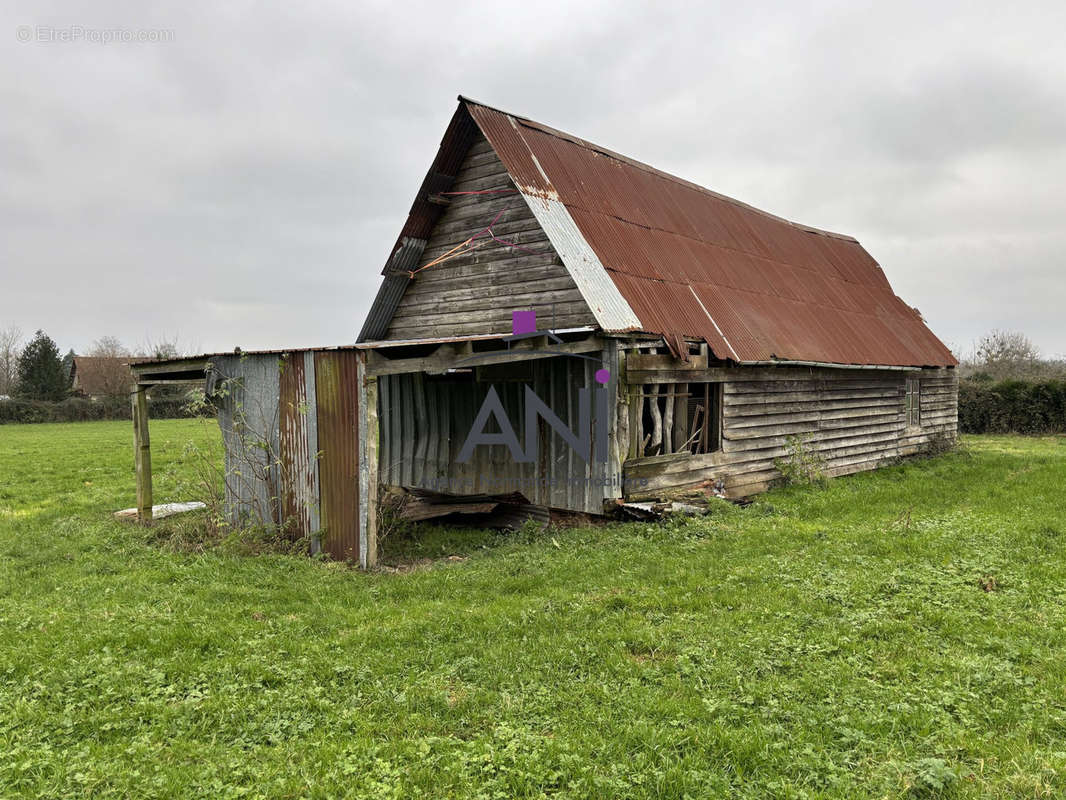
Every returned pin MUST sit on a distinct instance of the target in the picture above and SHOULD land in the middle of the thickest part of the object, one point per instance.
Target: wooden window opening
(913, 403)
(678, 418)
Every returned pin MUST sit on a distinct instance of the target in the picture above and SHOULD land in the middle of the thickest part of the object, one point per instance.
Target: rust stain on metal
(337, 390)
(695, 264)
(299, 473)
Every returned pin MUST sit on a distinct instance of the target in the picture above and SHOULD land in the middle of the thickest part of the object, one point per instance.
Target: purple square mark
(523, 322)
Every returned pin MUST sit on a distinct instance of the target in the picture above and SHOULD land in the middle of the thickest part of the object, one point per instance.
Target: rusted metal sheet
(337, 392)
(690, 263)
(299, 446)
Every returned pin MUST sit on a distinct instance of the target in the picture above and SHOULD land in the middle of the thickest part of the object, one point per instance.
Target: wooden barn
(560, 322)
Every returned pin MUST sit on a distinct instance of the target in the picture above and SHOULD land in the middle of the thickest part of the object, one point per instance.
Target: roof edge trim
(832, 365)
(601, 295)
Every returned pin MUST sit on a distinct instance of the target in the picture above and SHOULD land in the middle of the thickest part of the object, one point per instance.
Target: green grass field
(898, 634)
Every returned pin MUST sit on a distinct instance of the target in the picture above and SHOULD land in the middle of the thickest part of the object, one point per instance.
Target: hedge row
(1012, 407)
(80, 409)
(1006, 407)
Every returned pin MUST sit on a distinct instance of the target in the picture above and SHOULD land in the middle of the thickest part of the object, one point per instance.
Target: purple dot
(602, 376)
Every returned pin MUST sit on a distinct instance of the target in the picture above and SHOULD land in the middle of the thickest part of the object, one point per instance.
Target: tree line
(1008, 355)
(36, 370)
(1007, 386)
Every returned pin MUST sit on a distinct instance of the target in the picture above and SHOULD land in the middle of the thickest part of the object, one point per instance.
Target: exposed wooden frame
(670, 434)
(458, 355)
(196, 367)
(369, 435)
(143, 375)
(639, 362)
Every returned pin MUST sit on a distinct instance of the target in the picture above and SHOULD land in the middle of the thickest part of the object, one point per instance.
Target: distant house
(101, 376)
(559, 320)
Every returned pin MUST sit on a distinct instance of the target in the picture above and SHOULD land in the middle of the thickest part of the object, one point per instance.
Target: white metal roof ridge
(608, 306)
(715, 324)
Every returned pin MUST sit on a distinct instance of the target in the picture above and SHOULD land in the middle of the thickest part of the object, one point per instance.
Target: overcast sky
(242, 184)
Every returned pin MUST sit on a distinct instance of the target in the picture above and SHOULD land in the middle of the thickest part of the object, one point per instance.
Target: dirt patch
(988, 583)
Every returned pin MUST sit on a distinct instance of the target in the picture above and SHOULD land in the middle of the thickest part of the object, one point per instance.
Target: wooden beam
(142, 454)
(654, 361)
(449, 356)
(148, 383)
(743, 374)
(371, 438)
(668, 419)
(176, 365)
(656, 420)
(636, 419)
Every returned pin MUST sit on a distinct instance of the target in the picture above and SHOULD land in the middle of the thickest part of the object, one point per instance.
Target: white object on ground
(164, 510)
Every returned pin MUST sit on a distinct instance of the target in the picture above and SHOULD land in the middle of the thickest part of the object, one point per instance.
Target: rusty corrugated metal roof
(694, 264)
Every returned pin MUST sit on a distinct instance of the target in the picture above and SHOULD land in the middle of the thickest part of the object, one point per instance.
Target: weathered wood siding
(424, 422)
(939, 411)
(475, 293)
(854, 419)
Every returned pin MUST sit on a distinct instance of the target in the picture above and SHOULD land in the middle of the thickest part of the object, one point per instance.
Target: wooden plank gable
(473, 286)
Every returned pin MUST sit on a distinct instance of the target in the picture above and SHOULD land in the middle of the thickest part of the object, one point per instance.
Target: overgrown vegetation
(82, 409)
(898, 634)
(804, 465)
(1012, 407)
(1006, 386)
(36, 383)
(1009, 356)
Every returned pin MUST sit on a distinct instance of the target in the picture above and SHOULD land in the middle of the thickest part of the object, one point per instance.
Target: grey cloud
(250, 177)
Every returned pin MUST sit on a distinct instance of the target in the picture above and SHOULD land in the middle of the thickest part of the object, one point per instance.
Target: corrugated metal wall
(337, 395)
(299, 445)
(290, 423)
(249, 419)
(425, 421)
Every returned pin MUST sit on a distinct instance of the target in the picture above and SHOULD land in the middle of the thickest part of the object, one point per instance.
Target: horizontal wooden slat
(815, 403)
(475, 290)
(637, 362)
(853, 423)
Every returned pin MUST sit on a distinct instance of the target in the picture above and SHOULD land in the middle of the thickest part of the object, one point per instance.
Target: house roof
(97, 376)
(654, 253)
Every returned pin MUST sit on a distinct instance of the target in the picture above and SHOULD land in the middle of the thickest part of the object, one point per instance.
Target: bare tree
(10, 350)
(1007, 354)
(108, 347)
(163, 347)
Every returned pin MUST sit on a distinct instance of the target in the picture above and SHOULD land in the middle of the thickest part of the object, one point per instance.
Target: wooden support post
(668, 419)
(634, 408)
(705, 435)
(368, 469)
(142, 453)
(656, 420)
(636, 420)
